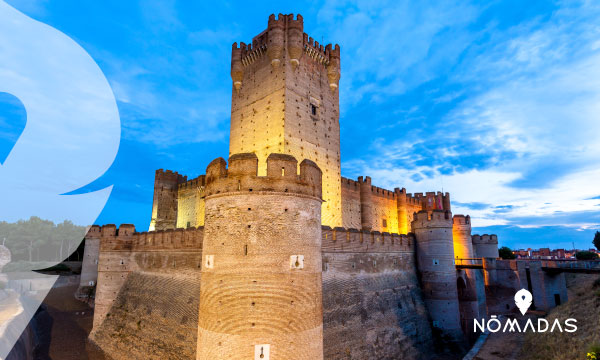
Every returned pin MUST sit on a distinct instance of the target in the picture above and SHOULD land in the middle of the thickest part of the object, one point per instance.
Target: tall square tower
(285, 99)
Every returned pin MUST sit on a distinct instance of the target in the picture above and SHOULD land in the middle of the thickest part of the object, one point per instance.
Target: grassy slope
(583, 305)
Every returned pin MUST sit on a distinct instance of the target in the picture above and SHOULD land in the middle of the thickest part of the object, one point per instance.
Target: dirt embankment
(584, 306)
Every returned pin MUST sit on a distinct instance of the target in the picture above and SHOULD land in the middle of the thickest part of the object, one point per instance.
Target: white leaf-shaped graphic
(71, 136)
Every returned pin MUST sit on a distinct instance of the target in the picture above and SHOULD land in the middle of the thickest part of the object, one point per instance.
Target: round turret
(295, 39)
(461, 234)
(333, 69)
(366, 203)
(485, 246)
(276, 30)
(469, 279)
(261, 286)
(237, 69)
(435, 261)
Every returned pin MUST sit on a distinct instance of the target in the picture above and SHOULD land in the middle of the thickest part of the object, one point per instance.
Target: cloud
(520, 123)
(169, 96)
(391, 46)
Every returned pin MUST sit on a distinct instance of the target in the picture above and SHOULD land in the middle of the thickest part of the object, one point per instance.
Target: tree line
(38, 240)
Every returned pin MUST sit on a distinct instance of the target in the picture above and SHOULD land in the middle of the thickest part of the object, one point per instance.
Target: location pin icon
(523, 300)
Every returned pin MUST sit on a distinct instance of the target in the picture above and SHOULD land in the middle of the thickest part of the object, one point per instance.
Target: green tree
(586, 255)
(597, 240)
(506, 253)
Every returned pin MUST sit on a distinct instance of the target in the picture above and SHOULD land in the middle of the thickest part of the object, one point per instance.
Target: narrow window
(282, 171)
(384, 222)
(313, 110)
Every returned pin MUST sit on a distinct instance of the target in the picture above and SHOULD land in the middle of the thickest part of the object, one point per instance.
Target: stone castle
(275, 255)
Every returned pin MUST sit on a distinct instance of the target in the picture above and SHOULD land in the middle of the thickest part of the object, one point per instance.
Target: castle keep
(274, 255)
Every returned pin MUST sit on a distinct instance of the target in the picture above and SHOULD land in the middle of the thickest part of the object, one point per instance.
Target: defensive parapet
(435, 261)
(282, 176)
(263, 240)
(485, 246)
(164, 204)
(353, 240)
(193, 183)
(126, 239)
(122, 250)
(284, 31)
(433, 201)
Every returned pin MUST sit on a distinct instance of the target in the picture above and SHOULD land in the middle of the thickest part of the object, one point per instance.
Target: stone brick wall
(372, 304)
(124, 251)
(154, 317)
(190, 203)
(261, 284)
(485, 246)
(283, 101)
(350, 204)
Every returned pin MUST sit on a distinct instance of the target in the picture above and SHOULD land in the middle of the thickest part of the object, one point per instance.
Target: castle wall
(385, 210)
(190, 203)
(262, 240)
(513, 275)
(125, 251)
(154, 317)
(555, 285)
(372, 304)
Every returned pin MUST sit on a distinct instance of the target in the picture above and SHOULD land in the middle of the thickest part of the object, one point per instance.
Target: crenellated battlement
(351, 184)
(170, 176)
(410, 200)
(284, 32)
(375, 190)
(282, 175)
(340, 239)
(193, 183)
(432, 219)
(485, 239)
(461, 220)
(94, 231)
(433, 200)
(125, 238)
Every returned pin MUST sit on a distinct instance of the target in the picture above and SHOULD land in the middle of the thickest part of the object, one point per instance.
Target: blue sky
(497, 102)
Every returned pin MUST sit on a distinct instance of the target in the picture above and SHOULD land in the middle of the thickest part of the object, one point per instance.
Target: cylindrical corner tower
(469, 281)
(261, 286)
(485, 246)
(366, 203)
(435, 261)
(403, 224)
(461, 234)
